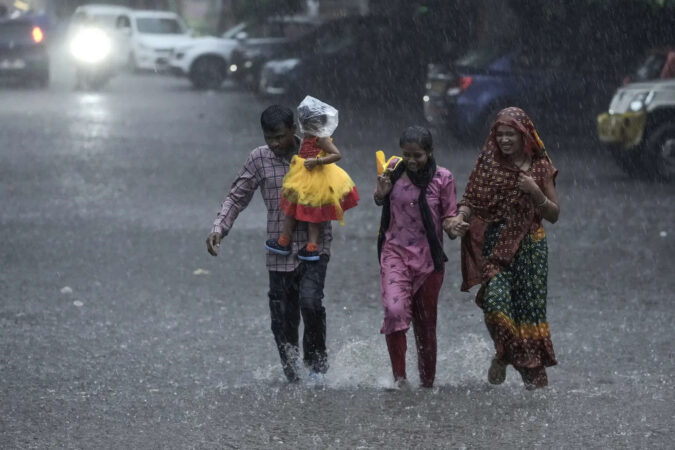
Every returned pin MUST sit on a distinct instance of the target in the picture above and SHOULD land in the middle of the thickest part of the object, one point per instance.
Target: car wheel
(660, 152)
(627, 161)
(208, 72)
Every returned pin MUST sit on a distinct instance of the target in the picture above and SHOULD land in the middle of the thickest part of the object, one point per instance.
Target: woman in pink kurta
(417, 197)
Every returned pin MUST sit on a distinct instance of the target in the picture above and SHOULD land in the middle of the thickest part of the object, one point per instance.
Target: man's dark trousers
(291, 295)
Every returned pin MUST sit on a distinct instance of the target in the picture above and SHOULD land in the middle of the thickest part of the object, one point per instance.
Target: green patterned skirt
(514, 303)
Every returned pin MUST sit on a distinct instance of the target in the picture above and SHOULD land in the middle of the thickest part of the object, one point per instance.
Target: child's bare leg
(313, 233)
(287, 231)
(282, 245)
(311, 251)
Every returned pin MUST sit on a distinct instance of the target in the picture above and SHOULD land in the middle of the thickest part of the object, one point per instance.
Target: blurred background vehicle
(106, 17)
(91, 47)
(363, 58)
(204, 59)
(655, 64)
(264, 41)
(23, 52)
(639, 128)
(208, 60)
(149, 37)
(555, 87)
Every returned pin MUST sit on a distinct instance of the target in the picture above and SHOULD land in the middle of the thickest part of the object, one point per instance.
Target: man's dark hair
(276, 115)
(417, 135)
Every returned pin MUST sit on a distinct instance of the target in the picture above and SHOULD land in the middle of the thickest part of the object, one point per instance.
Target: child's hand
(311, 163)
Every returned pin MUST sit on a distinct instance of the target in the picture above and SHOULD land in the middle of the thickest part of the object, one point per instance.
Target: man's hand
(212, 243)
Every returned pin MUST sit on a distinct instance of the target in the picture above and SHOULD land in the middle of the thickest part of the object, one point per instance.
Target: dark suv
(373, 58)
(262, 42)
(23, 53)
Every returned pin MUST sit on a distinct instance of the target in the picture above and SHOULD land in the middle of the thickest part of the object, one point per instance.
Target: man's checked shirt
(266, 170)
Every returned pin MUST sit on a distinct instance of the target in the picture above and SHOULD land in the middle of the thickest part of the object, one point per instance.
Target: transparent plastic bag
(316, 117)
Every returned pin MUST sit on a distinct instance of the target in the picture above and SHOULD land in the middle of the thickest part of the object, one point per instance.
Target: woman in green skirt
(509, 192)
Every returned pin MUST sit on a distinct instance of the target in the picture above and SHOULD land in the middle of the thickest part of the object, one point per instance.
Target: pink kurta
(406, 257)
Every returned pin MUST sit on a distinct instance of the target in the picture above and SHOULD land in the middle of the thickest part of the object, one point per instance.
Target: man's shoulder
(258, 155)
(262, 151)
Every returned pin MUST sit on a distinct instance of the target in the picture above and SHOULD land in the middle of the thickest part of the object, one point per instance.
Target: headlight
(91, 45)
(641, 100)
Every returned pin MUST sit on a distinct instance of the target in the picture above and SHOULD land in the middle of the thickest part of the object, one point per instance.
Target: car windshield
(232, 32)
(328, 40)
(157, 25)
(650, 69)
(106, 20)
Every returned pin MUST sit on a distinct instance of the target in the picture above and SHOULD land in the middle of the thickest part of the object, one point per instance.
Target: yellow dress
(316, 195)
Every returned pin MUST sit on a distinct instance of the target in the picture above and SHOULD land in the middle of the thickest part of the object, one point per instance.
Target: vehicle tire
(659, 157)
(208, 72)
(628, 162)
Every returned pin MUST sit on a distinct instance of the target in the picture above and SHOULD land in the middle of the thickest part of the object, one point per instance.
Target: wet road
(118, 330)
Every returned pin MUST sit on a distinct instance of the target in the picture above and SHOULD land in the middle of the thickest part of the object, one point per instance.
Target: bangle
(319, 161)
(541, 205)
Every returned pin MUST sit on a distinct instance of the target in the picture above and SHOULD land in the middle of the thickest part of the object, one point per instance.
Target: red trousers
(424, 307)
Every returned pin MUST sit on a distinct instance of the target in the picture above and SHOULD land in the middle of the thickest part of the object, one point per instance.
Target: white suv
(149, 37)
(206, 60)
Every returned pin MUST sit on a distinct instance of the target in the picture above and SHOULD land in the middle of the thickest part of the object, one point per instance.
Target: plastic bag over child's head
(316, 117)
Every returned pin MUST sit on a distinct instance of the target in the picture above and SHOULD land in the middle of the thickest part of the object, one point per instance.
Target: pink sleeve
(448, 197)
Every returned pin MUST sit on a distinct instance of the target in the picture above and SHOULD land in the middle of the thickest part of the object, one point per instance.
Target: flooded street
(118, 329)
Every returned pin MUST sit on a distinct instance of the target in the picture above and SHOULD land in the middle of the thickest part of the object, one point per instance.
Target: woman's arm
(548, 202)
(458, 225)
(545, 199)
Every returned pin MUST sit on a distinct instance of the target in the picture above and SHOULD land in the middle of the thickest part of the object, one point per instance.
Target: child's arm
(332, 154)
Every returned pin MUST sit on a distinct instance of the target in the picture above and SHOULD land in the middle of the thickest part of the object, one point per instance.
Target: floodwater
(120, 331)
